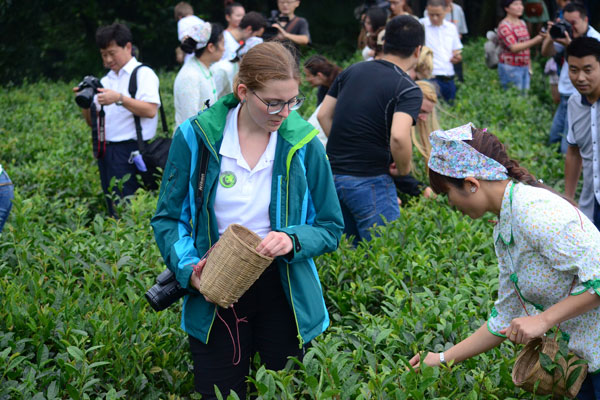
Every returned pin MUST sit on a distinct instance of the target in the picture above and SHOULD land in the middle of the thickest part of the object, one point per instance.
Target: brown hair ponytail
(488, 144)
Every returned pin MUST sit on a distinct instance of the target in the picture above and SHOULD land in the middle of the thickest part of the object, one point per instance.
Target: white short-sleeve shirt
(119, 122)
(231, 45)
(442, 40)
(243, 195)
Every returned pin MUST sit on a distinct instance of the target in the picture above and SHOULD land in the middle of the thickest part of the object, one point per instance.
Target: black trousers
(115, 163)
(268, 328)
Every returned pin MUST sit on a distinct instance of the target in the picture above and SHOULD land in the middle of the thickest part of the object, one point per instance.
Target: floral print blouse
(544, 247)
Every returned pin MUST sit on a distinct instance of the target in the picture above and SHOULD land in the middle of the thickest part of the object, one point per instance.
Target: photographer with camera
(574, 24)
(289, 25)
(109, 110)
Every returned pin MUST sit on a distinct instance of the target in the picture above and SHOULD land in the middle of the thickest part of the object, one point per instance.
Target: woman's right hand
(431, 359)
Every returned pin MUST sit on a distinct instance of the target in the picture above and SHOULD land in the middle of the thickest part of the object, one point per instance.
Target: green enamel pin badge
(227, 179)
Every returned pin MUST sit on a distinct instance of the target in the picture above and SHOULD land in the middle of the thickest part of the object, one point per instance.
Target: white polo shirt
(119, 122)
(243, 195)
(443, 40)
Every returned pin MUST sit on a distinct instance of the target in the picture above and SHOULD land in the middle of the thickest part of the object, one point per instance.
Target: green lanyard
(208, 76)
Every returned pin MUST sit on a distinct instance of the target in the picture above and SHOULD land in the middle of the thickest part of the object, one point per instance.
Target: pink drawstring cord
(237, 350)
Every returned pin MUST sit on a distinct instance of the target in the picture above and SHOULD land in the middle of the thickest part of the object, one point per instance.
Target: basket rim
(246, 245)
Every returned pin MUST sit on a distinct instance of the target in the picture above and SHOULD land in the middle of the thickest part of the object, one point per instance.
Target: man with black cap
(367, 114)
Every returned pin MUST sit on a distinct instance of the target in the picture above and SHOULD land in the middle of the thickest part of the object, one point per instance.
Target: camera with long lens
(275, 18)
(166, 291)
(559, 30)
(86, 90)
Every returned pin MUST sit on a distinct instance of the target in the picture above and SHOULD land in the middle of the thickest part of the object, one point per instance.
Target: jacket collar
(504, 230)
(293, 130)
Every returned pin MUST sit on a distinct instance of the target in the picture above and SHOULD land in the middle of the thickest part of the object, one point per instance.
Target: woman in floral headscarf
(548, 252)
(194, 86)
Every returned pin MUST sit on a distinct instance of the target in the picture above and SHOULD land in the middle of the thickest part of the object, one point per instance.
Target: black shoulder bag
(167, 290)
(155, 152)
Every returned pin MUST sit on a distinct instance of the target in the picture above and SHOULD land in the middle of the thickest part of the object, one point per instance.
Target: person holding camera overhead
(194, 88)
(289, 25)
(261, 167)
(111, 97)
(514, 60)
(574, 24)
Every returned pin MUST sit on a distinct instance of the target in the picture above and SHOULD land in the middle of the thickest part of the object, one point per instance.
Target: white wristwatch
(120, 101)
(442, 359)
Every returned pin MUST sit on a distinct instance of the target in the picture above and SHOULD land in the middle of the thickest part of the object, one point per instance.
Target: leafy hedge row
(74, 323)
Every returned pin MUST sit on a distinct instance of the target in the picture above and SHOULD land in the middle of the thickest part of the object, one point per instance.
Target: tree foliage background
(55, 38)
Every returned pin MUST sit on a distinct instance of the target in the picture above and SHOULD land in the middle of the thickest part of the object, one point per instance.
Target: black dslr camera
(166, 291)
(275, 18)
(86, 90)
(558, 30)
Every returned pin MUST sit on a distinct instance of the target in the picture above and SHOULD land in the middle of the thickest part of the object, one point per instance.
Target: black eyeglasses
(275, 107)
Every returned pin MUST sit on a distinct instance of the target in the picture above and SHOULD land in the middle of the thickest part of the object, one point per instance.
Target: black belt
(444, 78)
(122, 142)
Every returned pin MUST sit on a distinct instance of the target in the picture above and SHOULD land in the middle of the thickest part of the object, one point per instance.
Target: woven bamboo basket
(528, 370)
(232, 266)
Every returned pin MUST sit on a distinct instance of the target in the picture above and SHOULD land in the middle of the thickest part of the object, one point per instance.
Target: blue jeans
(513, 75)
(447, 88)
(590, 389)
(366, 201)
(560, 125)
(6, 196)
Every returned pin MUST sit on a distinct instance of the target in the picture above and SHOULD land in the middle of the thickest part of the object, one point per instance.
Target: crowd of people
(300, 184)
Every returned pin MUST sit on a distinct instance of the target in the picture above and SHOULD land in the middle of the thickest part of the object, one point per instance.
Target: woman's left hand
(522, 330)
(275, 244)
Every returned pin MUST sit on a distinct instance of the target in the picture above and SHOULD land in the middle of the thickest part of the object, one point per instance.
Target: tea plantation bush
(74, 323)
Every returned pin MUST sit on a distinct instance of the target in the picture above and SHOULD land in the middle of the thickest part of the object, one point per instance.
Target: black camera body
(559, 30)
(166, 291)
(86, 90)
(275, 18)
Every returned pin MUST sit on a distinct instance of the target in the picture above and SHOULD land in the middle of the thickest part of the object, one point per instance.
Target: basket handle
(527, 312)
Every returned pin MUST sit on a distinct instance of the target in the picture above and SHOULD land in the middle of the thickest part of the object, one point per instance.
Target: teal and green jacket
(304, 204)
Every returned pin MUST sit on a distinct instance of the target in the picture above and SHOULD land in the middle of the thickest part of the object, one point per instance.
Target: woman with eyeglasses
(268, 172)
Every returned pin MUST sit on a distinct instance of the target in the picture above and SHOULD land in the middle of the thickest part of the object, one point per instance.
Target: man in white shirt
(576, 15)
(583, 153)
(119, 108)
(442, 37)
(456, 15)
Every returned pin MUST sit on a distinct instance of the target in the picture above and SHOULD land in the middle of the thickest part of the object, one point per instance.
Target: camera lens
(84, 97)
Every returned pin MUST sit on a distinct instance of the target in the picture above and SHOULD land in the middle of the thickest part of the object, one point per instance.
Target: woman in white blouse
(548, 251)
(194, 88)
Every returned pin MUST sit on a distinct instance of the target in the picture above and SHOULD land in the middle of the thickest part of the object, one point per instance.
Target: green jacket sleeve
(172, 221)
(323, 233)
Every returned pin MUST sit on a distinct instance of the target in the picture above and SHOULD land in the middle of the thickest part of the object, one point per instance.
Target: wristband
(442, 358)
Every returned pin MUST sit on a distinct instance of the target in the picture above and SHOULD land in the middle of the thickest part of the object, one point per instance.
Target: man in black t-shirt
(367, 114)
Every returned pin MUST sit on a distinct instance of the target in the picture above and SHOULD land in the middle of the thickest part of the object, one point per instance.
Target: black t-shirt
(321, 93)
(298, 26)
(368, 94)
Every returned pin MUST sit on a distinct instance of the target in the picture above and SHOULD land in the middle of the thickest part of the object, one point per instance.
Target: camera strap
(98, 131)
(101, 133)
(138, 124)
